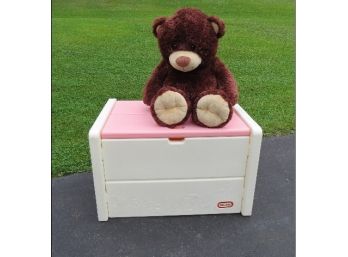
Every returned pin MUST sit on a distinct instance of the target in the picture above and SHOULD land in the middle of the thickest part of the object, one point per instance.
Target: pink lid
(132, 119)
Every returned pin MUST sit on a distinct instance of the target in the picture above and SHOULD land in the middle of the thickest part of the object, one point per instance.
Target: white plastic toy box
(142, 169)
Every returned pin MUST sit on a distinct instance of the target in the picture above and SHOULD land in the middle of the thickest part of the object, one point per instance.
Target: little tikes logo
(226, 204)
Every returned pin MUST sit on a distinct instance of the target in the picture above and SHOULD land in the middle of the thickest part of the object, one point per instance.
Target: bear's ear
(218, 26)
(156, 26)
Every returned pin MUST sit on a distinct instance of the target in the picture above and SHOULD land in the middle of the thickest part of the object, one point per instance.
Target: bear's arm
(226, 81)
(155, 82)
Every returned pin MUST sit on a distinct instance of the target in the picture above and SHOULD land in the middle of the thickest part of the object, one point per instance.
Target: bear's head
(188, 40)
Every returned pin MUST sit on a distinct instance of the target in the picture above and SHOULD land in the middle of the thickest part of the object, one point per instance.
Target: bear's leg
(170, 107)
(212, 109)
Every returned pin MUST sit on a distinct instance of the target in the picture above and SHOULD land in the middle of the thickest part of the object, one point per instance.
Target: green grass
(103, 49)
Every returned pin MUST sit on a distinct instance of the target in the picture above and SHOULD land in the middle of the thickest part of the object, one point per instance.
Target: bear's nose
(183, 61)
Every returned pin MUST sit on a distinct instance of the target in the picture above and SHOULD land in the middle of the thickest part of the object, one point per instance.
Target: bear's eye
(193, 47)
(173, 45)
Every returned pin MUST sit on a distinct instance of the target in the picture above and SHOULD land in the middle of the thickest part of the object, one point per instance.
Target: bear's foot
(170, 107)
(212, 111)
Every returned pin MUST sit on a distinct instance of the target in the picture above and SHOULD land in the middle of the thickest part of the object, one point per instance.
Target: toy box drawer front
(139, 159)
(174, 197)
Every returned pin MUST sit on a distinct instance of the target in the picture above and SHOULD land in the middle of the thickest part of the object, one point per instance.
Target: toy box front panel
(160, 158)
(174, 197)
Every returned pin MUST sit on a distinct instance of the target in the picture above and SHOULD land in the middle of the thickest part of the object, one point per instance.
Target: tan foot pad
(212, 110)
(170, 107)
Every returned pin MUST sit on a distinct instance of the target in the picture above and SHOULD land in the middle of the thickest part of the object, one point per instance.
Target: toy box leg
(98, 178)
(252, 162)
(95, 145)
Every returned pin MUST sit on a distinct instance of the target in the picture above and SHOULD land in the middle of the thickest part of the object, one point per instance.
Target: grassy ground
(103, 49)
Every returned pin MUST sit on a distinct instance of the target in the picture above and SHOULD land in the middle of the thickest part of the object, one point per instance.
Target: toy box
(142, 169)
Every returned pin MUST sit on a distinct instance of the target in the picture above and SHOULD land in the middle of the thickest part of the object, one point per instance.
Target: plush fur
(190, 30)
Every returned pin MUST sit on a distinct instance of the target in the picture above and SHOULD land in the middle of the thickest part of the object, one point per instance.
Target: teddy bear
(190, 80)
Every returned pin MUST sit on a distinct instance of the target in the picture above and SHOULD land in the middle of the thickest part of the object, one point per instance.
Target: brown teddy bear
(190, 78)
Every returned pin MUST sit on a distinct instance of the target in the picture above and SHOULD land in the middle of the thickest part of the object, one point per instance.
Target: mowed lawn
(105, 49)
